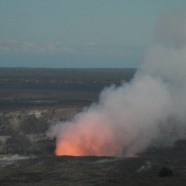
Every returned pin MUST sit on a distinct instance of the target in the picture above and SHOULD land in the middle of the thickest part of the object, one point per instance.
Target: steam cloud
(150, 110)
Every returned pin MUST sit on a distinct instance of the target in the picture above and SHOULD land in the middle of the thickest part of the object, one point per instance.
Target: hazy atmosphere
(81, 33)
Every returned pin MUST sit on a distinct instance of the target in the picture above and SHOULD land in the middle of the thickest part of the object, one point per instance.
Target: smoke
(171, 30)
(126, 120)
(169, 64)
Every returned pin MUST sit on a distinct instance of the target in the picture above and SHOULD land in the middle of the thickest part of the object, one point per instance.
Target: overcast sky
(79, 33)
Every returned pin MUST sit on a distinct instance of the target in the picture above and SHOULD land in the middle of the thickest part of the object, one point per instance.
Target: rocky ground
(97, 171)
(33, 100)
(23, 131)
(27, 156)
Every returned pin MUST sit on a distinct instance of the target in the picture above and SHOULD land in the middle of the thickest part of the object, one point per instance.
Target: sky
(79, 33)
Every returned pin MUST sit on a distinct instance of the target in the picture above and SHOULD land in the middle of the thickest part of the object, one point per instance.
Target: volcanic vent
(149, 110)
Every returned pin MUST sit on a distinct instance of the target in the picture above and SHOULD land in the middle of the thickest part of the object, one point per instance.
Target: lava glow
(89, 139)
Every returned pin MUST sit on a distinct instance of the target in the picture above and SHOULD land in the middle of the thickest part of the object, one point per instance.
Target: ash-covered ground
(34, 99)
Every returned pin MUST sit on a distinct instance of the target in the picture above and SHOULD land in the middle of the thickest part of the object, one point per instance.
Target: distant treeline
(66, 75)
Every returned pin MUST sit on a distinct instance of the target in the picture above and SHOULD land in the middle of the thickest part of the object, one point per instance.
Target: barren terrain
(31, 100)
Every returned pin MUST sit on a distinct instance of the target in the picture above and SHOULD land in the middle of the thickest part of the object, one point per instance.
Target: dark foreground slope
(100, 171)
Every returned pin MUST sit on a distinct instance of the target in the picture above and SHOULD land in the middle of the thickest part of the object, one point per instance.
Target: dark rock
(165, 171)
(17, 143)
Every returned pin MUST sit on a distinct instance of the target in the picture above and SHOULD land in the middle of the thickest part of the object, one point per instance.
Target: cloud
(26, 47)
(94, 49)
(15, 46)
(69, 55)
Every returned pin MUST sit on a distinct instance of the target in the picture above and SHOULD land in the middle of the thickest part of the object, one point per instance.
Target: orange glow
(87, 140)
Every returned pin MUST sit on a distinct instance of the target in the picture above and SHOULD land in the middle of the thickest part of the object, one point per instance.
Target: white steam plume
(128, 119)
(171, 30)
